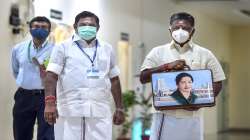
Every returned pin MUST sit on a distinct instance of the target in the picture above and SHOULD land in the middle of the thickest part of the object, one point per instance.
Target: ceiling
(225, 10)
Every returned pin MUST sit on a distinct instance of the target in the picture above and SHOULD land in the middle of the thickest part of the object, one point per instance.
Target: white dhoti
(83, 128)
(165, 127)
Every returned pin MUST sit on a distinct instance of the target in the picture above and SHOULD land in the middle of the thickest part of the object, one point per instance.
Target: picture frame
(182, 89)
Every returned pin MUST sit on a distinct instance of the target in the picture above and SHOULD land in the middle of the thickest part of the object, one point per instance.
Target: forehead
(186, 78)
(86, 20)
(40, 23)
(181, 23)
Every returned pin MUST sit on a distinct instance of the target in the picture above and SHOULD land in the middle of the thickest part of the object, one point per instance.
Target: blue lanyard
(92, 61)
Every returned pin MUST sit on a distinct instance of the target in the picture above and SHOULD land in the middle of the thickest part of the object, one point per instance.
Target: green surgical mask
(87, 32)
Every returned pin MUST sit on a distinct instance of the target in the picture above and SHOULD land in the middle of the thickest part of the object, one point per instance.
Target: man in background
(28, 68)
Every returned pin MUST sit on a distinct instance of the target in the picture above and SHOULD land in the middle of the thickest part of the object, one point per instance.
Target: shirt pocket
(103, 64)
(195, 65)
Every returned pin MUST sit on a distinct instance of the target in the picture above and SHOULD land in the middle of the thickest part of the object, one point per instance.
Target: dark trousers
(29, 106)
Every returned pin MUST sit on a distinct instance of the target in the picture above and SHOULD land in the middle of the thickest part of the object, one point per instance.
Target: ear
(75, 27)
(98, 27)
(169, 28)
(170, 31)
(192, 33)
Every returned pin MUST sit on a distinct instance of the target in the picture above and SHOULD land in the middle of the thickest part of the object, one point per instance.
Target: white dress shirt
(26, 72)
(78, 95)
(195, 56)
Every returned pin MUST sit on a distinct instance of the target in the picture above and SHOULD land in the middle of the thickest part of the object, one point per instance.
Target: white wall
(7, 84)
(68, 9)
(240, 78)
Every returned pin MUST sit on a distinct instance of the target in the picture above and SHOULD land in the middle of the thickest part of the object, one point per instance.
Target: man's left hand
(118, 117)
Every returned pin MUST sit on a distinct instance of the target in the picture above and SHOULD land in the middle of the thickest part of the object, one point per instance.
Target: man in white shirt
(86, 75)
(180, 124)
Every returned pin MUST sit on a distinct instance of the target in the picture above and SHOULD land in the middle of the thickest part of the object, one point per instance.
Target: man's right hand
(50, 112)
(172, 66)
(175, 65)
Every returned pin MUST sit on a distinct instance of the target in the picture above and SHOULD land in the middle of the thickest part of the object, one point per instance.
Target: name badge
(93, 73)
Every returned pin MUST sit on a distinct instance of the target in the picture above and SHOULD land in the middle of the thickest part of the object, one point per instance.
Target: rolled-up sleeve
(114, 69)
(214, 65)
(150, 60)
(57, 59)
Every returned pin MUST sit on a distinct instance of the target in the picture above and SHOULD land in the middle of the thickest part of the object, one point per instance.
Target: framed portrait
(182, 89)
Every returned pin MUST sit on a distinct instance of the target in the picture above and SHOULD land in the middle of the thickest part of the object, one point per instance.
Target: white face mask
(180, 35)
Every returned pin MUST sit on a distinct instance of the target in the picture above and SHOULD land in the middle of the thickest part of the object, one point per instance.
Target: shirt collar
(82, 42)
(43, 45)
(187, 46)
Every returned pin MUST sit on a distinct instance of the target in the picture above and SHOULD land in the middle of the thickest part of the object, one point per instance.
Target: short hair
(181, 75)
(182, 16)
(85, 14)
(40, 19)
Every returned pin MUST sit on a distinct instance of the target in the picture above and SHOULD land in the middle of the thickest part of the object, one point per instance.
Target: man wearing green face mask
(86, 75)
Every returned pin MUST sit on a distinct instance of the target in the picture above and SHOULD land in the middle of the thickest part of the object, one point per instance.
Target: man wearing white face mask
(84, 71)
(180, 124)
